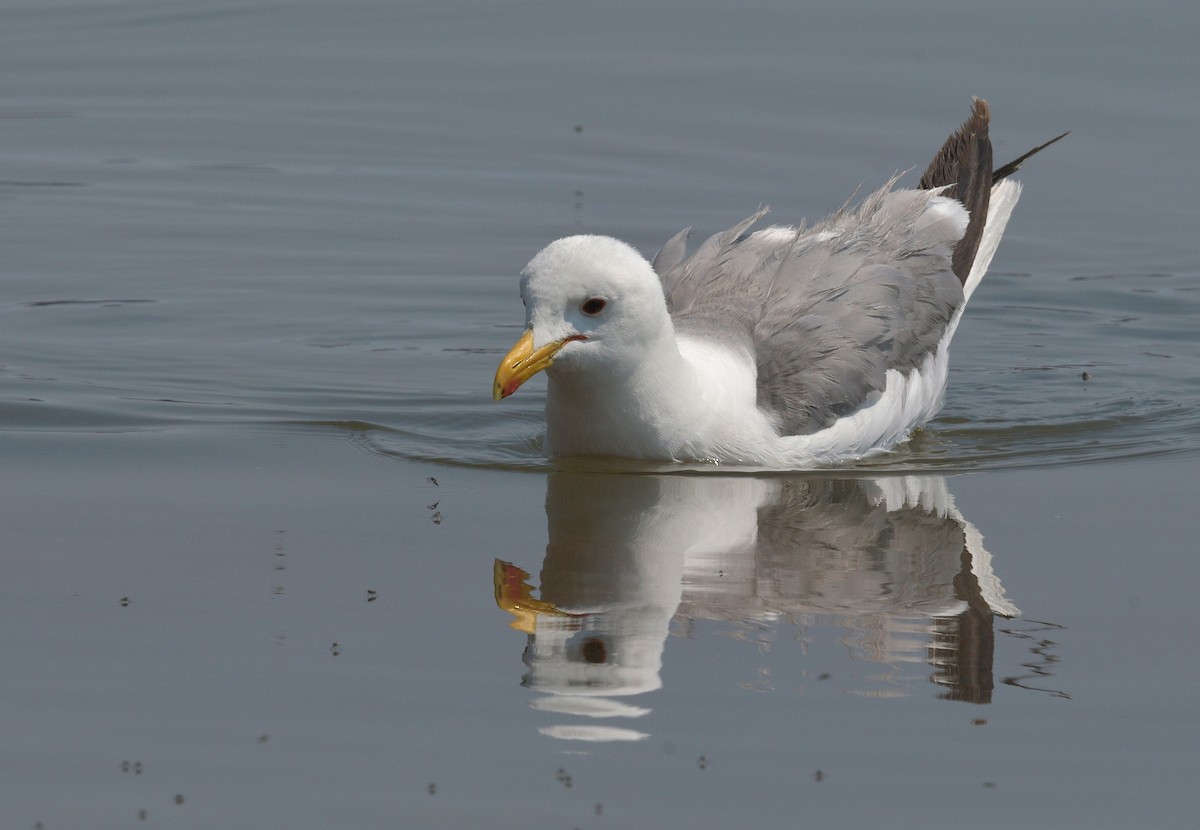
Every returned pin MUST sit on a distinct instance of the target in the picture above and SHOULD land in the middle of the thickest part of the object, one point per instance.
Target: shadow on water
(890, 566)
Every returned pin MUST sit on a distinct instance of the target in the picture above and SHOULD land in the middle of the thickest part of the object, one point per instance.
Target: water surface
(273, 557)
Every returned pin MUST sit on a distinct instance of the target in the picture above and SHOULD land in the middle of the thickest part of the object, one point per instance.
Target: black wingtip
(1014, 165)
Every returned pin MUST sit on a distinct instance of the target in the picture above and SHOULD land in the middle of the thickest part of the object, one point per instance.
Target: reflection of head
(593, 650)
(616, 553)
(623, 660)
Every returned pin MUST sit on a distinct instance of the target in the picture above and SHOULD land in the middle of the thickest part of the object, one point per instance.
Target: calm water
(273, 558)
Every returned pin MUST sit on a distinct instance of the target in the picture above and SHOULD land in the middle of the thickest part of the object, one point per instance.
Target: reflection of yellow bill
(515, 595)
(524, 361)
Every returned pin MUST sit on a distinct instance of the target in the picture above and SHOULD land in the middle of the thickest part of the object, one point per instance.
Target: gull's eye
(593, 306)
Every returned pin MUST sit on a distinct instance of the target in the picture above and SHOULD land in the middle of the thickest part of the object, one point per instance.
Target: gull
(785, 347)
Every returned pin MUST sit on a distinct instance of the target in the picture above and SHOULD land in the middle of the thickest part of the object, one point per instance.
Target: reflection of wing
(846, 546)
(893, 561)
(931, 494)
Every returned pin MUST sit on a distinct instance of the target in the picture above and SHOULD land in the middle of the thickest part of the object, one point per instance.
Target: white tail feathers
(1004, 198)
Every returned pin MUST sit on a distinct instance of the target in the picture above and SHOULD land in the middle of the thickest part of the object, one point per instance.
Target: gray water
(272, 557)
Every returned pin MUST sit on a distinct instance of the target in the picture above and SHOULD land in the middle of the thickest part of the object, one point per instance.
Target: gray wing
(825, 311)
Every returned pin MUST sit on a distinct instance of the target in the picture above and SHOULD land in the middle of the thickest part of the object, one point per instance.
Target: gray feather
(672, 253)
(824, 311)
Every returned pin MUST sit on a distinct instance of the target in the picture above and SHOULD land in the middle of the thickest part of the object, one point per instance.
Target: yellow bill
(524, 361)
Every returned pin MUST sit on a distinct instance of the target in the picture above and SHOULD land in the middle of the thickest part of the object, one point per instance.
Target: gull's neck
(645, 409)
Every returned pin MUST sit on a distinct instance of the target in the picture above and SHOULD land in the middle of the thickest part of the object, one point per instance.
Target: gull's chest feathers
(692, 403)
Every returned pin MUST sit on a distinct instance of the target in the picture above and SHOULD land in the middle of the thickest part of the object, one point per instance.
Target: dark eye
(592, 307)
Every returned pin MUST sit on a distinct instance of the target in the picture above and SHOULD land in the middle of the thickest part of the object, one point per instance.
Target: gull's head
(593, 308)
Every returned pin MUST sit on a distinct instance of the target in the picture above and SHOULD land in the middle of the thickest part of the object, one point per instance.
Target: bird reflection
(891, 561)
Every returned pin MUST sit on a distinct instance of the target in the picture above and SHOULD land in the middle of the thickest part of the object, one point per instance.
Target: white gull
(785, 347)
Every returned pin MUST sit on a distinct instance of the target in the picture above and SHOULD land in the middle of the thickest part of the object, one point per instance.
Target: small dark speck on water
(599, 808)
(824, 675)
(372, 595)
(178, 798)
(702, 762)
(1086, 376)
(578, 128)
(335, 649)
(979, 722)
(142, 815)
(124, 602)
(990, 785)
(431, 789)
(819, 776)
(564, 778)
(263, 738)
